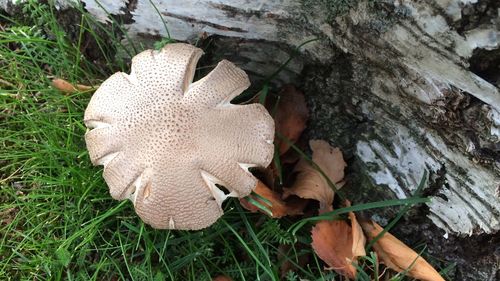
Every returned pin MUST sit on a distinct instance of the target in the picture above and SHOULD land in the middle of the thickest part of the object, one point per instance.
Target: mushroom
(168, 144)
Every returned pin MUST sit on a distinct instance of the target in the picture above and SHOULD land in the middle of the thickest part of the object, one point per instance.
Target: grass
(57, 220)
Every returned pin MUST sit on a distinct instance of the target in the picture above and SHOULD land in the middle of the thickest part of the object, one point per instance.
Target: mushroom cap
(167, 143)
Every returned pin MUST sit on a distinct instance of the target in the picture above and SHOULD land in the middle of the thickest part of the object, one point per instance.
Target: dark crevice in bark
(232, 11)
(203, 22)
(127, 17)
(476, 14)
(437, 181)
(463, 122)
(332, 110)
(476, 257)
(486, 64)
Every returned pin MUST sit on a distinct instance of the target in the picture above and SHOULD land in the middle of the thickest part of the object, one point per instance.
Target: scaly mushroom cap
(166, 142)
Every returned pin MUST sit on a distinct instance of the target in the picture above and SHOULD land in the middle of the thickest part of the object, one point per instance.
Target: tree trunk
(400, 86)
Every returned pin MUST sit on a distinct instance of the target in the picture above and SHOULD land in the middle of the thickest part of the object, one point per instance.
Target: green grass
(57, 219)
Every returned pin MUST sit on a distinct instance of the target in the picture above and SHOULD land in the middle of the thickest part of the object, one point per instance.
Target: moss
(332, 8)
(386, 14)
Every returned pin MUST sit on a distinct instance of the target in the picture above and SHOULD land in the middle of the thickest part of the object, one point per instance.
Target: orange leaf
(67, 87)
(358, 237)
(332, 241)
(310, 183)
(278, 207)
(396, 255)
(291, 116)
(329, 159)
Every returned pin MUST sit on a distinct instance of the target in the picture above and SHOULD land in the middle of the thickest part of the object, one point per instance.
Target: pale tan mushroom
(166, 142)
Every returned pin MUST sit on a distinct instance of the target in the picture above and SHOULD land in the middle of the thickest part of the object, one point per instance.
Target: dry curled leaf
(329, 159)
(291, 116)
(278, 207)
(333, 242)
(67, 87)
(310, 183)
(358, 237)
(399, 257)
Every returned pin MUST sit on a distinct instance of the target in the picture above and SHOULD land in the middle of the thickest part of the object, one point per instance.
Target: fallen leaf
(329, 159)
(222, 278)
(332, 241)
(358, 237)
(399, 257)
(310, 183)
(67, 87)
(291, 116)
(278, 207)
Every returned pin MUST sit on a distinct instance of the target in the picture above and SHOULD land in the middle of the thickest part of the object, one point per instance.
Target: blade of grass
(400, 214)
(249, 251)
(356, 208)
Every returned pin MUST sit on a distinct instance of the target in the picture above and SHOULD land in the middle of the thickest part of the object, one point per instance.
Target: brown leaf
(399, 257)
(310, 183)
(329, 159)
(66, 87)
(291, 116)
(278, 207)
(332, 241)
(358, 237)
(222, 278)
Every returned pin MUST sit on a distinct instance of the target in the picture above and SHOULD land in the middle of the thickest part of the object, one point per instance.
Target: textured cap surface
(166, 143)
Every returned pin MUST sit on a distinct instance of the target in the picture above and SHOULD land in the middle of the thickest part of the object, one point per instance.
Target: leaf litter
(336, 241)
